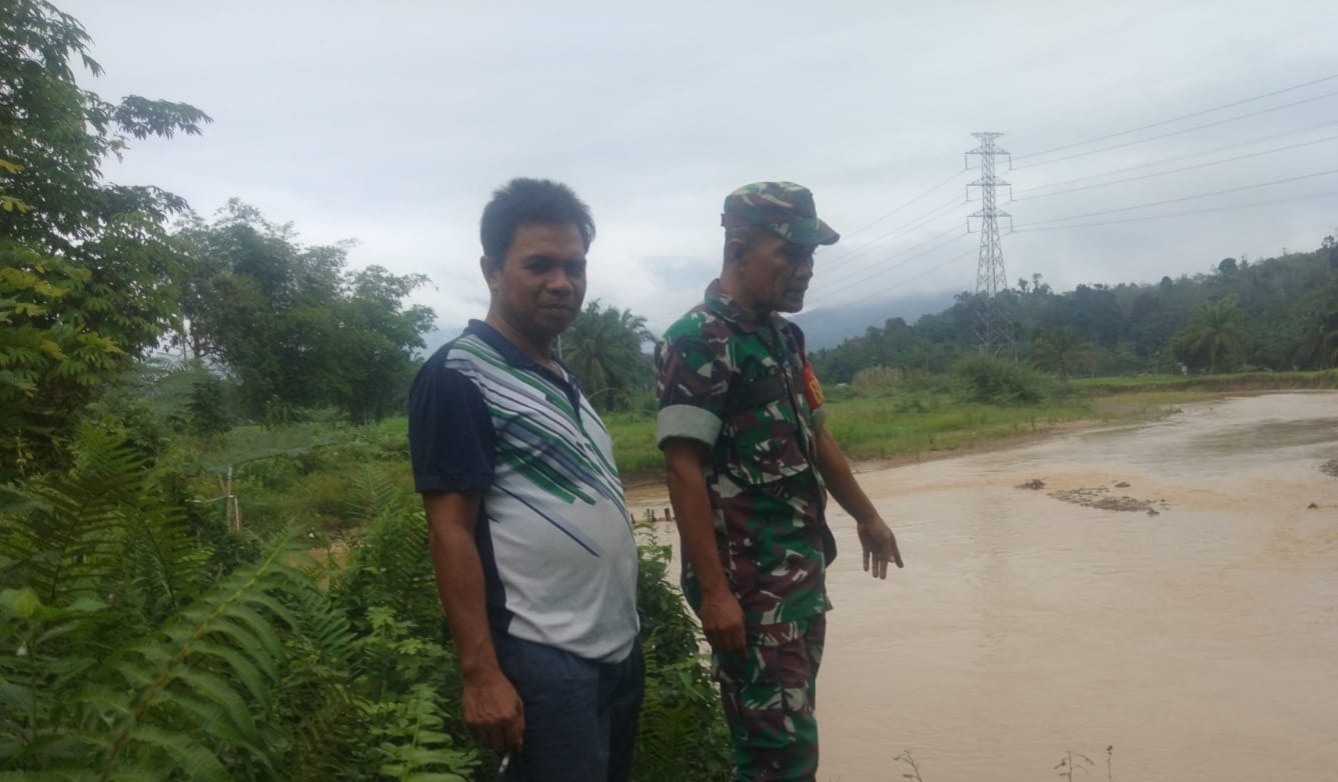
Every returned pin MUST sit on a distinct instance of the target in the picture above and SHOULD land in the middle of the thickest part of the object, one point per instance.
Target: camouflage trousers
(768, 694)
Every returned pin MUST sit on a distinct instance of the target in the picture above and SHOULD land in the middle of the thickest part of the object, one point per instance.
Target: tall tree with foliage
(292, 324)
(603, 347)
(1216, 336)
(88, 267)
(1063, 349)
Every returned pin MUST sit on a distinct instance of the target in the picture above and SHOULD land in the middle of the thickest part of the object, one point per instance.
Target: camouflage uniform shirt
(741, 385)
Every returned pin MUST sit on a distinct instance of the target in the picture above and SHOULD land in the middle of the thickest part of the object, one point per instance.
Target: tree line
(96, 278)
(1274, 314)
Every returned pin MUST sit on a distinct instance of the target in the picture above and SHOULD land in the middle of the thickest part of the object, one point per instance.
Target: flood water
(1197, 635)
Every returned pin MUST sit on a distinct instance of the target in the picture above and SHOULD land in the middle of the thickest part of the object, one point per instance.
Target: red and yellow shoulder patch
(812, 388)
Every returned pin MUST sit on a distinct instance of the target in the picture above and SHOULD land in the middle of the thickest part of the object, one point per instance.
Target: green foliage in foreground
(143, 641)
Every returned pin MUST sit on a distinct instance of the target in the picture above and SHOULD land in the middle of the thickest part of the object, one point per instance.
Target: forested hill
(1279, 313)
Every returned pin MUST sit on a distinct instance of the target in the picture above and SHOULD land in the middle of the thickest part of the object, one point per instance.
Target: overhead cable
(1310, 197)
(1179, 132)
(1172, 120)
(1187, 198)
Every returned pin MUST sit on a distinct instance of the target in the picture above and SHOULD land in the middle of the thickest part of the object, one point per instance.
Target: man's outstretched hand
(880, 546)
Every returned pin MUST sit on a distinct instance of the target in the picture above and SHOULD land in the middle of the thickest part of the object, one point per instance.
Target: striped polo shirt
(558, 555)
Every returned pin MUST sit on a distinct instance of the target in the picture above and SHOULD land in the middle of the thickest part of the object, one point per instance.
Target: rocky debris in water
(1100, 497)
(1330, 468)
(1034, 483)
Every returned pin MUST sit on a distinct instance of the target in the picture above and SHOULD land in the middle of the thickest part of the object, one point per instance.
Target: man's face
(776, 274)
(538, 288)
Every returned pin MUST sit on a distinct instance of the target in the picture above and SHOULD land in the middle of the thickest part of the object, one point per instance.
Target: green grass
(633, 436)
(311, 471)
(886, 429)
(882, 428)
(914, 424)
(1240, 381)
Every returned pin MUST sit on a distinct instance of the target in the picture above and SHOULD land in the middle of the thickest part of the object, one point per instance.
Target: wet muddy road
(1167, 590)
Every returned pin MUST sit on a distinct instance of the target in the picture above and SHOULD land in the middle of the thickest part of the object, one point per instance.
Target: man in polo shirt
(535, 560)
(749, 465)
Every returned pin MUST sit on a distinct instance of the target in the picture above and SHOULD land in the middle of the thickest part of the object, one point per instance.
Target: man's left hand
(880, 546)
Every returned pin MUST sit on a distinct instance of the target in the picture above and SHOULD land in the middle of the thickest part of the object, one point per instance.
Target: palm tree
(1320, 348)
(1217, 331)
(603, 348)
(1064, 350)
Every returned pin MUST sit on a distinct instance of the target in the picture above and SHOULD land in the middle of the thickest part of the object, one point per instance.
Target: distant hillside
(1277, 314)
(829, 326)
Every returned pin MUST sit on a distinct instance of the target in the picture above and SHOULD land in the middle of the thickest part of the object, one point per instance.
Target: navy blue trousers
(580, 715)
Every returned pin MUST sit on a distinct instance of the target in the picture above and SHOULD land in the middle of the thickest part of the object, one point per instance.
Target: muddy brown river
(1168, 590)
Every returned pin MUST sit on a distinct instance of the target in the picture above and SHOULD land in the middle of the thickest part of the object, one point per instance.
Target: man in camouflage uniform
(749, 465)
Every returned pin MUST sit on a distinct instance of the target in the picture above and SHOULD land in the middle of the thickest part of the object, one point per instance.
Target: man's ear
(735, 250)
(490, 271)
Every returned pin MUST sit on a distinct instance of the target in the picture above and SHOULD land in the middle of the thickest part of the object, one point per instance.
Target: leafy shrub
(877, 381)
(150, 642)
(990, 380)
(682, 734)
(137, 655)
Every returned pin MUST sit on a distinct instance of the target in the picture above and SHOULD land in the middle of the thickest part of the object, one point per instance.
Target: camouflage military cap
(783, 207)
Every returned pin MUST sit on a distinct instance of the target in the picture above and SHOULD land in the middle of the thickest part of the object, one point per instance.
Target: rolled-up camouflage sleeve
(692, 382)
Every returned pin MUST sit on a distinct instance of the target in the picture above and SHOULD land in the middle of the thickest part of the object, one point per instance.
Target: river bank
(1031, 620)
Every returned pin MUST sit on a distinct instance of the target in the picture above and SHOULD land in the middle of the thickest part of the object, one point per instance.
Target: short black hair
(522, 201)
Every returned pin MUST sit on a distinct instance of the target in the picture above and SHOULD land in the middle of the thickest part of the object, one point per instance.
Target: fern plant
(122, 664)
(175, 702)
(412, 742)
(392, 566)
(127, 651)
(196, 684)
(72, 534)
(682, 733)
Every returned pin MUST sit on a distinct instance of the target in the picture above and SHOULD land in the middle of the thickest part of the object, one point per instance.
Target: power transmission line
(1178, 158)
(828, 292)
(846, 270)
(918, 222)
(882, 290)
(1025, 229)
(1311, 197)
(1178, 170)
(1177, 119)
(891, 212)
(1187, 198)
(849, 272)
(1180, 132)
(990, 276)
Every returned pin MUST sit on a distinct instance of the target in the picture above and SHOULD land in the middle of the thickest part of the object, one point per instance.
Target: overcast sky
(392, 122)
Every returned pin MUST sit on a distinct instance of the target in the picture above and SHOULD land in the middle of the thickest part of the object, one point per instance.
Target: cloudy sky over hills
(1147, 138)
